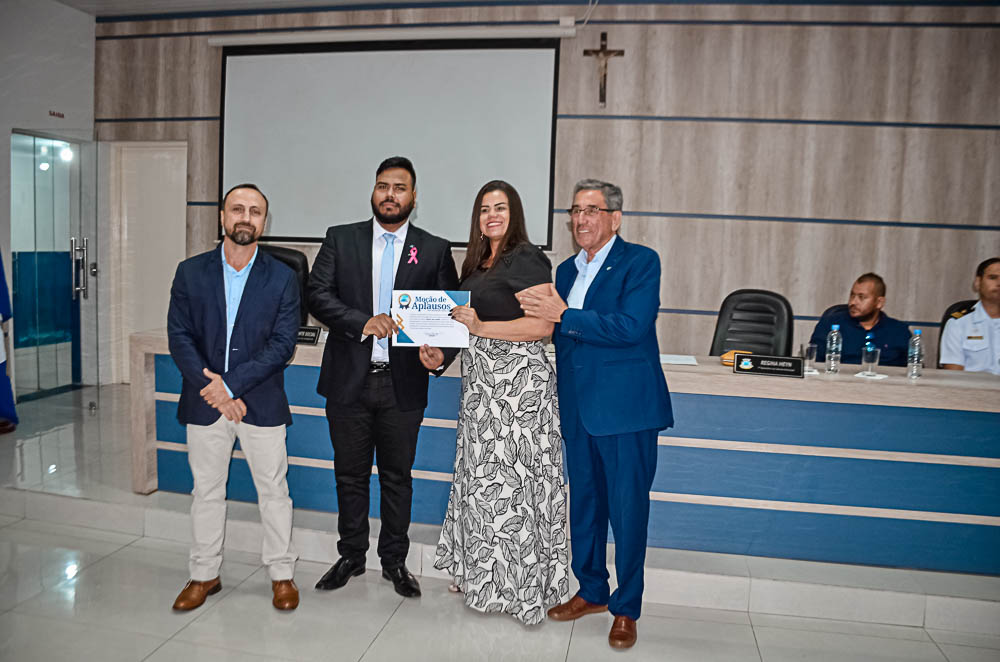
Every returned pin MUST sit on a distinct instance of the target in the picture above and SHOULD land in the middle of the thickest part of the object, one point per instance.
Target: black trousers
(373, 428)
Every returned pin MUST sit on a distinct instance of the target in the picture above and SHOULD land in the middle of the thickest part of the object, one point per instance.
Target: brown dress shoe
(622, 633)
(286, 594)
(574, 609)
(195, 592)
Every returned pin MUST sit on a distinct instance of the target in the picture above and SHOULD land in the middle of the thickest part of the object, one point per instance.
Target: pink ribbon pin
(413, 255)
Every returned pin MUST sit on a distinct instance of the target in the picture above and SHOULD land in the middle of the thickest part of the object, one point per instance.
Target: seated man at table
(971, 339)
(862, 316)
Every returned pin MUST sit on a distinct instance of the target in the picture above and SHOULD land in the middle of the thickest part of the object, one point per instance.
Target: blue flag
(7, 411)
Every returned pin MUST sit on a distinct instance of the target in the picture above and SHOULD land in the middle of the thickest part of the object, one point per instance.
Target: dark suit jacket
(263, 339)
(340, 296)
(607, 356)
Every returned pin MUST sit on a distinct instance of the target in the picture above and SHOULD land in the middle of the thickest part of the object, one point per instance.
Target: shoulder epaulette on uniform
(958, 314)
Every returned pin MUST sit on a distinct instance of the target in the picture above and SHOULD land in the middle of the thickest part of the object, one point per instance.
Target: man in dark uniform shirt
(862, 316)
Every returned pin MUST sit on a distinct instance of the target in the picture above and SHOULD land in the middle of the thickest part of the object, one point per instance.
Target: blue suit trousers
(609, 481)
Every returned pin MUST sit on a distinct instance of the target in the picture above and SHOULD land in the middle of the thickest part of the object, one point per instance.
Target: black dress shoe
(403, 581)
(338, 575)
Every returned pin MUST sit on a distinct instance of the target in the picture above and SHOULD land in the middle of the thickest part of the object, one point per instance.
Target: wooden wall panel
(832, 73)
(685, 334)
(165, 77)
(812, 265)
(838, 172)
(203, 229)
(333, 19)
(645, 12)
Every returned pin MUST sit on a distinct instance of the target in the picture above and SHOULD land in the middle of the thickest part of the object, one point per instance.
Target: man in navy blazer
(613, 400)
(232, 327)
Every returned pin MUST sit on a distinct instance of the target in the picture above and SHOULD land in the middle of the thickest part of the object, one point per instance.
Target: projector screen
(310, 124)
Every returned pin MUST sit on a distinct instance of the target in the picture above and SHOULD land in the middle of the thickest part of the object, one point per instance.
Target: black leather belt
(376, 367)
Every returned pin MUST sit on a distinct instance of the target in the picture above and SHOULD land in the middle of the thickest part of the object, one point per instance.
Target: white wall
(46, 64)
(148, 183)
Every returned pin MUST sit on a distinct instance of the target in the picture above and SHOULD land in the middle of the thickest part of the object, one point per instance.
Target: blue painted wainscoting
(41, 296)
(876, 485)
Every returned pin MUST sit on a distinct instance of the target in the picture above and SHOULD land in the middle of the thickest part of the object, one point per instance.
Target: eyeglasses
(590, 212)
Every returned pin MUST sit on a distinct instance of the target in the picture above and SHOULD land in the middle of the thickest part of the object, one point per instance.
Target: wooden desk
(831, 468)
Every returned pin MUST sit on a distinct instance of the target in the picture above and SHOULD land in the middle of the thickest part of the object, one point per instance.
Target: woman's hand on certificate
(467, 316)
(431, 357)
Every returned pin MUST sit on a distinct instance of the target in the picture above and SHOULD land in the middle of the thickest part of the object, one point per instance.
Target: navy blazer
(607, 355)
(262, 343)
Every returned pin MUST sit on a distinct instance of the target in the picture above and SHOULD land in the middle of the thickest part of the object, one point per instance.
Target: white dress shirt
(379, 354)
(586, 272)
(972, 341)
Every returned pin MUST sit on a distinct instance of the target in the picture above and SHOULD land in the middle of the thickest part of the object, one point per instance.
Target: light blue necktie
(385, 282)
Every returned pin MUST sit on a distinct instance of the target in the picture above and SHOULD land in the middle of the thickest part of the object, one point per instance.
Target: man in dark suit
(376, 393)
(232, 326)
(613, 400)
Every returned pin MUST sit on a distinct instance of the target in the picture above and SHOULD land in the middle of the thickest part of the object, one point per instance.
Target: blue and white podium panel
(848, 483)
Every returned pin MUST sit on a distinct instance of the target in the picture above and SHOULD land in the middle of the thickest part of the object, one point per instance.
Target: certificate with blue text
(423, 318)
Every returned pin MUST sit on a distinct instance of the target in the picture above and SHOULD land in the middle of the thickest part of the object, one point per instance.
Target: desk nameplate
(774, 366)
(308, 335)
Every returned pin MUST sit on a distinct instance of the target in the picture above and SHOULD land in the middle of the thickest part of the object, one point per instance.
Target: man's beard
(870, 316)
(392, 219)
(242, 234)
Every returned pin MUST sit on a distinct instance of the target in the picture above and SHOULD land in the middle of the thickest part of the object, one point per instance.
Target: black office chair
(300, 265)
(949, 311)
(756, 320)
(839, 308)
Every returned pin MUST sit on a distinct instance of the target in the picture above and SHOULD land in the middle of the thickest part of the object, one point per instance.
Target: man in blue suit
(613, 400)
(232, 327)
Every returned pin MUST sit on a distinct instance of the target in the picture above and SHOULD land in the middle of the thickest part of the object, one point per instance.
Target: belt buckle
(376, 367)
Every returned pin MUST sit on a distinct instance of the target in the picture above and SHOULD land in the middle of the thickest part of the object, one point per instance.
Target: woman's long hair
(479, 246)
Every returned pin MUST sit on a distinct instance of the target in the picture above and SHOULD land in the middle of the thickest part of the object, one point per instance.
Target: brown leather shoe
(286, 594)
(574, 609)
(623, 634)
(195, 592)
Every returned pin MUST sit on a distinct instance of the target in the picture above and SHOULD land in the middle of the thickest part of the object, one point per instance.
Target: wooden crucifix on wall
(603, 54)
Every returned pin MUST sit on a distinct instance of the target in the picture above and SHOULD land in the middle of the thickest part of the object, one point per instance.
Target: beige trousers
(210, 448)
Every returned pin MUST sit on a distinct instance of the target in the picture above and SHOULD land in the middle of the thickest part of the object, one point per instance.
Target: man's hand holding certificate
(423, 318)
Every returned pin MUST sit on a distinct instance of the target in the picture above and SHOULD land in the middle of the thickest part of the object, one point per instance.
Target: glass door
(54, 265)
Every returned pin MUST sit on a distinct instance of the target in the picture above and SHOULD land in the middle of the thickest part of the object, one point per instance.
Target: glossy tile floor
(43, 367)
(75, 593)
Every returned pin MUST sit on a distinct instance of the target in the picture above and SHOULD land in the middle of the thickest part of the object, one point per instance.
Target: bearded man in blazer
(613, 401)
(232, 326)
(376, 393)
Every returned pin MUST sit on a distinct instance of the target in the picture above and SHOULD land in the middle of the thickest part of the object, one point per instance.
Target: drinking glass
(869, 360)
(808, 353)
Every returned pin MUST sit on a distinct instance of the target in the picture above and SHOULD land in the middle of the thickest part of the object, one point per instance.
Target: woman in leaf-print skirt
(504, 534)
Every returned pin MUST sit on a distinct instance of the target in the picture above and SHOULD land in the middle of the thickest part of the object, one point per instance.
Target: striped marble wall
(783, 147)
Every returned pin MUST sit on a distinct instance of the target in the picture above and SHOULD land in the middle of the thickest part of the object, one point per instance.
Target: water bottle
(915, 356)
(834, 343)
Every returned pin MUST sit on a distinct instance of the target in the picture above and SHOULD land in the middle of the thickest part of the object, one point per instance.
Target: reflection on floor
(70, 592)
(41, 368)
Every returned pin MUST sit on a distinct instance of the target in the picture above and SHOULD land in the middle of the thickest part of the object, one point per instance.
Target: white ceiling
(133, 7)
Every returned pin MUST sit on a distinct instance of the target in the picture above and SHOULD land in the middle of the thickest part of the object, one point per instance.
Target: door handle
(78, 263)
(85, 281)
(72, 267)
